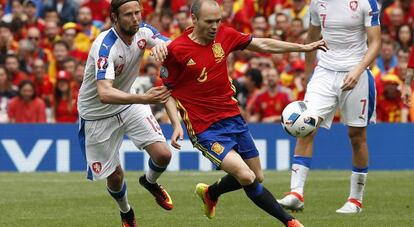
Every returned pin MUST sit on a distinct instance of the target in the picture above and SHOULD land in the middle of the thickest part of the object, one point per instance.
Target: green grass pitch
(52, 199)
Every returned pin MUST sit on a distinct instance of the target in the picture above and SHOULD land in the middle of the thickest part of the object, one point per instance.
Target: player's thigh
(103, 138)
(141, 127)
(322, 95)
(358, 104)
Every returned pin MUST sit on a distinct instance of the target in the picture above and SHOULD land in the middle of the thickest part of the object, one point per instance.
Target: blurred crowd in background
(44, 45)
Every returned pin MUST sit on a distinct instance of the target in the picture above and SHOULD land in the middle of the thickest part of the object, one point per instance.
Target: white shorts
(357, 106)
(101, 139)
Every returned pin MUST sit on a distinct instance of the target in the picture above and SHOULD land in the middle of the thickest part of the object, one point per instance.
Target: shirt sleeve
(314, 15)
(168, 70)
(237, 40)
(371, 13)
(153, 36)
(103, 57)
(411, 58)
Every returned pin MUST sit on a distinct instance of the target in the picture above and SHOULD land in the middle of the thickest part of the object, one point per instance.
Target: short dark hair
(115, 4)
(256, 76)
(196, 6)
(24, 83)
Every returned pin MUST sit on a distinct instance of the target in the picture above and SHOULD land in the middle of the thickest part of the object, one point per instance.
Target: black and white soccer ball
(298, 120)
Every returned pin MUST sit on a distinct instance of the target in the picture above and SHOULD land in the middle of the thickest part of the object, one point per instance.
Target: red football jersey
(267, 105)
(199, 79)
(411, 58)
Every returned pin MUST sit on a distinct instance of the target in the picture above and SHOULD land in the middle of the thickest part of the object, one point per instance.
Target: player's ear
(114, 18)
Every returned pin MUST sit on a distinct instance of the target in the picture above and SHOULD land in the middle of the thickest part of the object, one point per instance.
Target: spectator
(269, 105)
(389, 101)
(253, 81)
(299, 10)
(26, 107)
(387, 59)
(60, 53)
(296, 30)
(182, 21)
(51, 35)
(100, 10)
(52, 15)
(43, 85)
(66, 9)
(87, 32)
(34, 36)
(69, 35)
(78, 78)
(7, 92)
(32, 19)
(404, 37)
(7, 43)
(12, 67)
(65, 103)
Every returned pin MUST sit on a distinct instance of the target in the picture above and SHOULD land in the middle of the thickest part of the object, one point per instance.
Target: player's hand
(350, 81)
(157, 95)
(406, 94)
(160, 52)
(178, 133)
(318, 45)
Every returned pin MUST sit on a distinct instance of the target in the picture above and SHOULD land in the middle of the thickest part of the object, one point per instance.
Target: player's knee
(164, 158)
(245, 176)
(357, 137)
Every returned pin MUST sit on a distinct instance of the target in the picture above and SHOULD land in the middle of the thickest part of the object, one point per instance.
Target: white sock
(358, 181)
(154, 171)
(298, 178)
(121, 198)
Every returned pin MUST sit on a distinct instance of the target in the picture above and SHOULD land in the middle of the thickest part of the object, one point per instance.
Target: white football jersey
(343, 24)
(111, 59)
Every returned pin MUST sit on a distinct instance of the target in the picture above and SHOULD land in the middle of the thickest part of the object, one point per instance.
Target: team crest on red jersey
(97, 167)
(141, 43)
(102, 63)
(218, 52)
(353, 5)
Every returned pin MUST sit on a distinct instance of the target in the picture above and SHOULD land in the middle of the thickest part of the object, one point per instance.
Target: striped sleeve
(371, 13)
(103, 60)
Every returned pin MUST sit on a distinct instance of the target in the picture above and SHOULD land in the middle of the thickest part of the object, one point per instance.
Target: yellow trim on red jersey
(186, 119)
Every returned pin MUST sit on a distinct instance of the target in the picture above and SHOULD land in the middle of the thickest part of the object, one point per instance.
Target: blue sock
(266, 201)
(121, 198)
(154, 171)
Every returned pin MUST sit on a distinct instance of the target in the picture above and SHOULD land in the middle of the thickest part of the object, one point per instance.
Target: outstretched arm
(266, 45)
(110, 95)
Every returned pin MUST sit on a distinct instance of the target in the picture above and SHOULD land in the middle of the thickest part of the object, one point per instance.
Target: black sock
(265, 200)
(226, 184)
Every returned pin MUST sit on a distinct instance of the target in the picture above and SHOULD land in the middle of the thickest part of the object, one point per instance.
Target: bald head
(198, 4)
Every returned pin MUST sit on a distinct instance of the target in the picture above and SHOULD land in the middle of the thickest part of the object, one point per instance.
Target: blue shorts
(225, 135)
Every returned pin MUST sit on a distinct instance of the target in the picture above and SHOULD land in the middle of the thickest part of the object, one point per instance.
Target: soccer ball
(298, 120)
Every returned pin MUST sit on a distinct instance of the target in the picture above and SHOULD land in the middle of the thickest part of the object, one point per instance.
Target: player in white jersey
(340, 79)
(108, 111)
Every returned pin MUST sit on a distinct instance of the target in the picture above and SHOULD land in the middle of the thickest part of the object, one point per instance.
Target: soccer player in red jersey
(196, 72)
